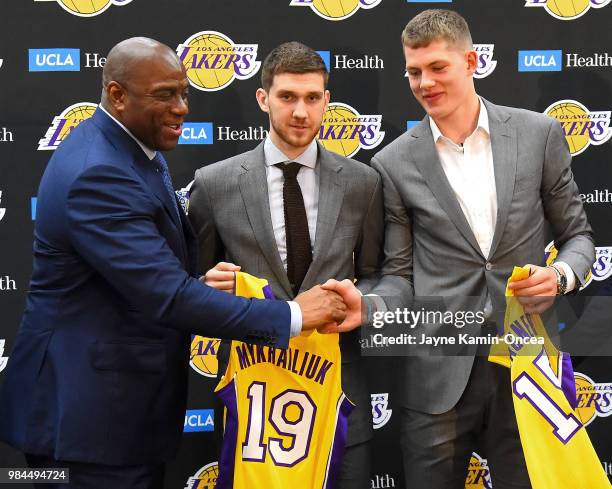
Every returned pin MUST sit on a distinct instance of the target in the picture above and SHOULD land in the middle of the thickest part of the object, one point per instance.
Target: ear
(327, 96)
(472, 61)
(116, 95)
(262, 99)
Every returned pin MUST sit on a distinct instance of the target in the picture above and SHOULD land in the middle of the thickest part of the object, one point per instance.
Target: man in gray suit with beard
(297, 215)
(467, 194)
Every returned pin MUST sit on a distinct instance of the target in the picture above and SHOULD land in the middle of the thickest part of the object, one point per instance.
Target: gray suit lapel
(426, 158)
(504, 143)
(331, 195)
(254, 191)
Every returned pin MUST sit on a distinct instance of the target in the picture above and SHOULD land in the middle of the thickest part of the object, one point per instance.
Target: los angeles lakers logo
(594, 400)
(478, 475)
(581, 126)
(203, 358)
(64, 123)
(381, 414)
(567, 9)
(205, 478)
(600, 270)
(486, 63)
(345, 131)
(335, 9)
(87, 8)
(213, 60)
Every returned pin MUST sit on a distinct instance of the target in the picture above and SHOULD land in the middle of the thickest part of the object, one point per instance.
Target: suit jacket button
(488, 266)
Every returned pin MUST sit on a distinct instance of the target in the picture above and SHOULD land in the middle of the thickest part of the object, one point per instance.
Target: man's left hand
(537, 292)
(352, 298)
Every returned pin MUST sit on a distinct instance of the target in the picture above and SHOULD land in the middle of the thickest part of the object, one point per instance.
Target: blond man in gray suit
(467, 194)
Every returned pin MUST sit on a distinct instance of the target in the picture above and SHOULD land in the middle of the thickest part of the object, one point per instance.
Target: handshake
(333, 307)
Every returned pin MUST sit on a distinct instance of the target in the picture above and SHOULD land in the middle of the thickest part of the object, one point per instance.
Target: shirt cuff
(296, 318)
(569, 275)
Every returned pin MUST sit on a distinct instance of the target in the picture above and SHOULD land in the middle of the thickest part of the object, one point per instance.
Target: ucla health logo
(600, 270)
(335, 9)
(213, 60)
(581, 126)
(203, 357)
(205, 478)
(478, 475)
(380, 412)
(567, 9)
(196, 133)
(594, 400)
(64, 123)
(345, 131)
(199, 420)
(543, 60)
(87, 8)
(54, 59)
(486, 63)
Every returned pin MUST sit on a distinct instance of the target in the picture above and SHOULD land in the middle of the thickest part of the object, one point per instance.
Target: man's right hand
(320, 308)
(221, 277)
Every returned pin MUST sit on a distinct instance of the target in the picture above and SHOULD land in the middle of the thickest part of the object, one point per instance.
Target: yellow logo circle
(335, 9)
(64, 123)
(585, 390)
(213, 60)
(567, 9)
(344, 131)
(573, 116)
(89, 8)
(203, 358)
(205, 478)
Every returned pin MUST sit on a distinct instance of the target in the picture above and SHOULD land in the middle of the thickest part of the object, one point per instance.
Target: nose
(299, 110)
(426, 81)
(181, 107)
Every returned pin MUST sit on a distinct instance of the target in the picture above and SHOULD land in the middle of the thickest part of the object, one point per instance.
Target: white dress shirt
(470, 172)
(308, 179)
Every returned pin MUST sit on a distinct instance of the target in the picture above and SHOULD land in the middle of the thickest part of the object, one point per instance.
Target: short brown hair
(436, 24)
(292, 57)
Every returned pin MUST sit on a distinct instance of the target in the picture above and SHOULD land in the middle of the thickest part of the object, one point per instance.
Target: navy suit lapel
(143, 167)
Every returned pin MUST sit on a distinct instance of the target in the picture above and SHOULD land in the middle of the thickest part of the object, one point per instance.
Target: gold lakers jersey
(286, 414)
(557, 449)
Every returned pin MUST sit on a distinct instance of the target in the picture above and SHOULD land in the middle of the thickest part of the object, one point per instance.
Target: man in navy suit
(98, 373)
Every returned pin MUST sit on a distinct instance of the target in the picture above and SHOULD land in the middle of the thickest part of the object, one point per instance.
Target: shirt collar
(148, 151)
(274, 155)
(483, 123)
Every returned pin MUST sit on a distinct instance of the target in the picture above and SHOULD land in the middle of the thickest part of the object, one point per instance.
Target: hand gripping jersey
(557, 449)
(286, 414)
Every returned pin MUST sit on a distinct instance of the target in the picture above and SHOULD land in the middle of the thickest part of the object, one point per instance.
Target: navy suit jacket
(98, 372)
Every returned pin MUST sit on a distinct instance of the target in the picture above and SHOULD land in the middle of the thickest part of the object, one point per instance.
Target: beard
(291, 137)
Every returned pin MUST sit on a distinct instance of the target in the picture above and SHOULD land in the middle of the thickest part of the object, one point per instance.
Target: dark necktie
(163, 168)
(299, 252)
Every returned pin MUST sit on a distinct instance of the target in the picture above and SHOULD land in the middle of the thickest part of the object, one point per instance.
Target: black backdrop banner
(550, 56)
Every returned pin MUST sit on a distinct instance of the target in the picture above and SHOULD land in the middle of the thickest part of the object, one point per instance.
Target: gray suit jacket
(429, 243)
(230, 213)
